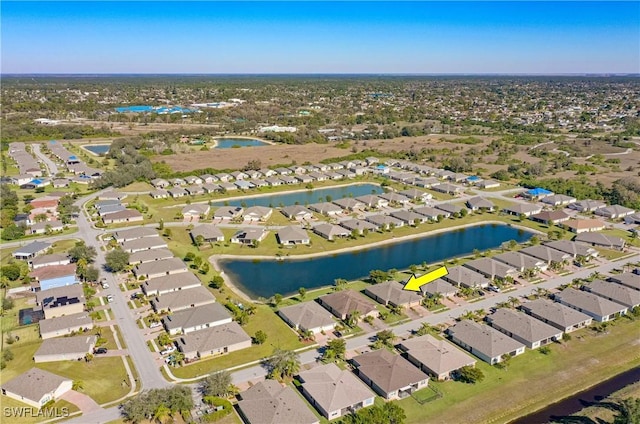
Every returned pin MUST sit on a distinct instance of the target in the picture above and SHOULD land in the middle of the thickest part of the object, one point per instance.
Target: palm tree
(353, 318)
(283, 364)
(162, 413)
(513, 301)
(78, 385)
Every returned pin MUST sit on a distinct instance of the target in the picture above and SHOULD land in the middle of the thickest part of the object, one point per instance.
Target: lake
(304, 197)
(98, 149)
(228, 143)
(267, 277)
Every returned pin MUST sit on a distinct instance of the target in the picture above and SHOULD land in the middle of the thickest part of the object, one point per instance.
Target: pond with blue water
(98, 149)
(267, 277)
(229, 143)
(304, 197)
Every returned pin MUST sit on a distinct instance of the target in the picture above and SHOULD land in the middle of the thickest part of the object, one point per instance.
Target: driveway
(82, 401)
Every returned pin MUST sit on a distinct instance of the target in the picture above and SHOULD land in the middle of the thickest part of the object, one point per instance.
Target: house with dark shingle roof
(159, 268)
(526, 209)
(445, 288)
(524, 328)
(575, 250)
(485, 342)
(550, 217)
(389, 375)
(614, 211)
(385, 221)
(627, 279)
(196, 318)
(438, 358)
(601, 240)
(269, 402)
(343, 303)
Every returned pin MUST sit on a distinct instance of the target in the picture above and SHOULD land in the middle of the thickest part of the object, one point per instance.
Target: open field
(585, 360)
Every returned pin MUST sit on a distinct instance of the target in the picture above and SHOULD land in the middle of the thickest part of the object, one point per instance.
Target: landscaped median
(533, 380)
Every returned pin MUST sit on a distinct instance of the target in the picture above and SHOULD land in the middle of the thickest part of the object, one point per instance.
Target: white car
(110, 298)
(155, 324)
(168, 350)
(105, 285)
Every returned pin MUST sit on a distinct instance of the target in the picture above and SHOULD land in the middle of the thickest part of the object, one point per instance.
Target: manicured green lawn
(59, 407)
(623, 234)
(532, 380)
(279, 335)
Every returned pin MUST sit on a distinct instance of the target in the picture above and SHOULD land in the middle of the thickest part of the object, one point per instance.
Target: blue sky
(320, 37)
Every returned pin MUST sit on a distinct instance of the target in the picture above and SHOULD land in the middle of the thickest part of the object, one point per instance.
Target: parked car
(105, 285)
(155, 324)
(168, 350)
(493, 289)
(100, 351)
(110, 298)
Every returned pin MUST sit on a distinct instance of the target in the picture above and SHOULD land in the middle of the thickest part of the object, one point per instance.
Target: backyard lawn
(570, 367)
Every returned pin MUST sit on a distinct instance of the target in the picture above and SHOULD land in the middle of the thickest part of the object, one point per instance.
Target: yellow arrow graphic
(414, 283)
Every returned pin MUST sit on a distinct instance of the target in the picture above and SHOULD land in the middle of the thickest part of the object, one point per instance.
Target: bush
(217, 402)
(470, 375)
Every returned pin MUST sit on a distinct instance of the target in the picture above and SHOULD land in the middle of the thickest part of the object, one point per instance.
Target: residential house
(65, 325)
(197, 318)
(49, 260)
(409, 217)
(558, 200)
(195, 211)
(599, 308)
(134, 234)
(214, 341)
(601, 240)
(127, 215)
(344, 303)
(439, 286)
(448, 189)
(330, 231)
(521, 262)
(372, 201)
(297, 212)
(243, 184)
(292, 235)
(479, 203)
(37, 387)
(182, 299)
(145, 243)
(52, 276)
(416, 195)
(492, 269)
(526, 209)
(575, 250)
(627, 279)
(326, 208)
(524, 328)
(193, 180)
(308, 316)
(349, 204)
(177, 192)
(392, 293)
(580, 226)
(547, 254)
(465, 277)
(389, 375)
(61, 301)
(249, 236)
(485, 342)
(159, 268)
(194, 190)
(614, 212)
(257, 213)
(227, 213)
(617, 293)
(334, 392)
(170, 283)
(385, 221)
(151, 255)
(360, 226)
(556, 314)
(587, 205)
(269, 402)
(537, 193)
(209, 232)
(438, 358)
(550, 217)
(274, 181)
(159, 194)
(65, 348)
(31, 250)
(432, 214)
(395, 198)
(211, 188)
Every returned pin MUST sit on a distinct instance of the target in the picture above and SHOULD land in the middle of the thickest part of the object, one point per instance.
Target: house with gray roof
(575, 250)
(65, 348)
(627, 279)
(330, 231)
(438, 358)
(480, 203)
(209, 232)
(145, 243)
(526, 209)
(550, 217)
(349, 204)
(334, 392)
(211, 188)
(558, 200)
(177, 192)
(385, 222)
(257, 213)
(409, 217)
(465, 277)
(358, 225)
(521, 262)
(195, 210)
(392, 293)
(601, 240)
(159, 268)
(415, 194)
(160, 183)
(326, 208)
(127, 215)
(292, 235)
(389, 375)
(249, 235)
(31, 250)
(151, 255)
(182, 299)
(587, 205)
(36, 387)
(308, 316)
(60, 301)
(492, 269)
(129, 234)
(227, 213)
(599, 308)
(49, 260)
(214, 341)
(614, 212)
(432, 213)
(440, 286)
(193, 190)
(448, 188)
(373, 201)
(485, 342)
(65, 325)
(557, 315)
(393, 197)
(524, 328)
(170, 283)
(269, 402)
(297, 212)
(196, 318)
(343, 303)
(617, 293)
(546, 254)
(449, 208)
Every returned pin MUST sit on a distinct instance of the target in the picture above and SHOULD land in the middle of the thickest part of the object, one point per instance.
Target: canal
(267, 277)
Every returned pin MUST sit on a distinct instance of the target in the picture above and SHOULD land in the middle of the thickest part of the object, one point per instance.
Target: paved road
(51, 166)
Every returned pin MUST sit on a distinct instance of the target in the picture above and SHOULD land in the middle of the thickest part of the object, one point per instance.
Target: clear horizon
(321, 38)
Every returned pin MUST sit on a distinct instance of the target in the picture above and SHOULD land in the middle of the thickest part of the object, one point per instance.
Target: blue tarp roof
(538, 192)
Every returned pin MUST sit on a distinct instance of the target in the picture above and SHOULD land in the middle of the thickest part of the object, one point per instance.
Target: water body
(228, 143)
(267, 277)
(98, 149)
(575, 403)
(304, 197)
